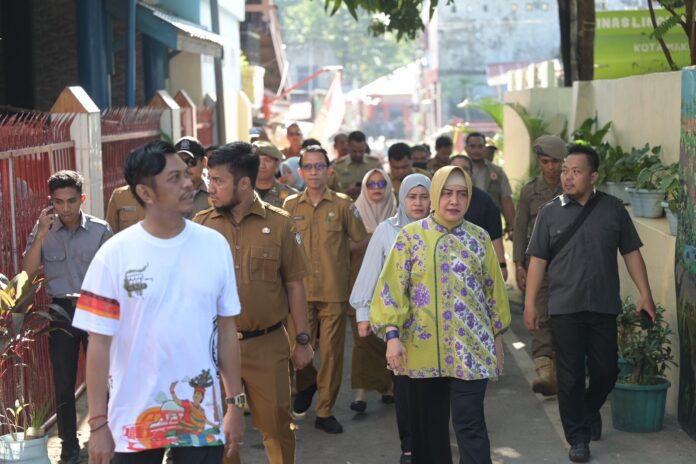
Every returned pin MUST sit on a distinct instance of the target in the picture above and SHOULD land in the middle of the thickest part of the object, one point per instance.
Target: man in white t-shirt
(161, 335)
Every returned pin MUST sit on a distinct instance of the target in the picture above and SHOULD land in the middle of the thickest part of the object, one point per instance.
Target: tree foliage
(400, 17)
(363, 57)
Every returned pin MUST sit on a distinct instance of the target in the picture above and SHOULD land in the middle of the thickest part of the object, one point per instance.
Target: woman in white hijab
(414, 204)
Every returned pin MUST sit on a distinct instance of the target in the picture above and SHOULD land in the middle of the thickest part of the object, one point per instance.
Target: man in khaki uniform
(193, 154)
(270, 264)
(326, 220)
(443, 150)
(491, 178)
(269, 189)
(550, 151)
(123, 210)
(400, 165)
(351, 169)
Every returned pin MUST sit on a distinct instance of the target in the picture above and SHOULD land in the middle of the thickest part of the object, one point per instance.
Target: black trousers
(579, 338)
(403, 422)
(184, 455)
(64, 346)
(430, 402)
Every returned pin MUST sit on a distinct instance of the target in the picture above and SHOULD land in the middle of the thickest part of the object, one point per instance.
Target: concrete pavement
(523, 427)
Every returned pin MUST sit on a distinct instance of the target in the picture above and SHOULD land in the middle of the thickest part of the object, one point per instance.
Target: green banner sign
(624, 47)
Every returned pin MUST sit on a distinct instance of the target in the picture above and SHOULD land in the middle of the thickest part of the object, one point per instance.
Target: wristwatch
(302, 338)
(239, 400)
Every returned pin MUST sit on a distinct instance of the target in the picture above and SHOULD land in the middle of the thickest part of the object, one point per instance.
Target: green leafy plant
(647, 350)
(651, 168)
(670, 182)
(589, 133)
(21, 322)
(536, 127)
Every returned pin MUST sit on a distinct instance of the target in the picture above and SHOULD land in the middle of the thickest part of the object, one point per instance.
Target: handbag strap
(575, 226)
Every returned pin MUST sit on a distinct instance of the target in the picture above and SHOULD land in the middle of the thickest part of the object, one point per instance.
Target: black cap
(190, 146)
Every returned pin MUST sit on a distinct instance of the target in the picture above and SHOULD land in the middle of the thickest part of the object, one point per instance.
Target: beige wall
(643, 109)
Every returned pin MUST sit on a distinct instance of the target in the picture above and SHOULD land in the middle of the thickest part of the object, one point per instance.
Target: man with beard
(270, 263)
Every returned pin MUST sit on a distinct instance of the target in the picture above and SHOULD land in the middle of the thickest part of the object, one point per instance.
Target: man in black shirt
(584, 295)
(483, 212)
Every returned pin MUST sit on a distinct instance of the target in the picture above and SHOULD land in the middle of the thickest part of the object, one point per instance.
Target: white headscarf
(373, 213)
(410, 182)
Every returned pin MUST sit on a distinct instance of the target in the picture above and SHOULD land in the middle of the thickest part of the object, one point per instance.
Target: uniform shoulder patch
(298, 237)
(343, 196)
(277, 210)
(201, 216)
(354, 210)
(96, 220)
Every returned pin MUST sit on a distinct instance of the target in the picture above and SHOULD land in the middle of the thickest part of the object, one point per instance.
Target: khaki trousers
(542, 341)
(368, 367)
(267, 385)
(330, 318)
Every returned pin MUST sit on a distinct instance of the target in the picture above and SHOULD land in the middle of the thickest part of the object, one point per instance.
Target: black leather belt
(243, 335)
(65, 300)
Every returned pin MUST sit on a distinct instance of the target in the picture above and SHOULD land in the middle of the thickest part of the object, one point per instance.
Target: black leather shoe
(302, 402)
(579, 452)
(358, 406)
(596, 427)
(388, 399)
(328, 424)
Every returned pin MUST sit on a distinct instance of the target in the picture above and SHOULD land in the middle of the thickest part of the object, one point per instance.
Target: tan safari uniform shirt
(200, 198)
(396, 184)
(123, 210)
(325, 231)
(434, 164)
(267, 251)
(277, 194)
(493, 180)
(349, 173)
(535, 194)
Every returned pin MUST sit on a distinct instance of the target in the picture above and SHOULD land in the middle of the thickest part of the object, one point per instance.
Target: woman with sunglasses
(375, 203)
(414, 204)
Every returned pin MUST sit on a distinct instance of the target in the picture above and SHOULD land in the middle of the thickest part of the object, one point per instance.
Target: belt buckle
(240, 336)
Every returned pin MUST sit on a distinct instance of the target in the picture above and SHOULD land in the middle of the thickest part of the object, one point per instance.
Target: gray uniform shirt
(584, 275)
(66, 255)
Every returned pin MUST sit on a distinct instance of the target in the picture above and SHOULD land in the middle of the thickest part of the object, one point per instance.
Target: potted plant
(647, 197)
(21, 322)
(619, 172)
(670, 182)
(638, 399)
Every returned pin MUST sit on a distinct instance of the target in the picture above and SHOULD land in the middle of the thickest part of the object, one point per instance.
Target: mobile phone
(646, 321)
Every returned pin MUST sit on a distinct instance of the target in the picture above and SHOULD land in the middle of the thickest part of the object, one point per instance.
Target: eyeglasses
(316, 167)
(376, 184)
(191, 161)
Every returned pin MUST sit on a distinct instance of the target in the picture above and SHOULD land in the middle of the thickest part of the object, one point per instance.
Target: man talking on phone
(575, 241)
(65, 240)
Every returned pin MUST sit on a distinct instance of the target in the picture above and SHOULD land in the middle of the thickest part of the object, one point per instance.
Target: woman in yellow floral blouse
(441, 304)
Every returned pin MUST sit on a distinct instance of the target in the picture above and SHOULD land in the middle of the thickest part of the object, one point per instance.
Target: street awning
(174, 32)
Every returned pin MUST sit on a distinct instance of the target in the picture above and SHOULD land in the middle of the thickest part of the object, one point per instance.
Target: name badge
(129, 209)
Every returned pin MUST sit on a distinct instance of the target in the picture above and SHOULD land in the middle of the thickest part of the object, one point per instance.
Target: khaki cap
(268, 149)
(551, 145)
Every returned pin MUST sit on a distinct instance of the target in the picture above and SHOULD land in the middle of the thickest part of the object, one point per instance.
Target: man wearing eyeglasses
(326, 220)
(550, 151)
(295, 138)
(193, 154)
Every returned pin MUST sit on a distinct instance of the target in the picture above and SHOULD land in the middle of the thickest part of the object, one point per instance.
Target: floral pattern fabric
(445, 291)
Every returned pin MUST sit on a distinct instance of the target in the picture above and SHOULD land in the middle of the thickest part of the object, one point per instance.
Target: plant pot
(639, 408)
(635, 202)
(651, 202)
(625, 368)
(618, 189)
(672, 218)
(24, 451)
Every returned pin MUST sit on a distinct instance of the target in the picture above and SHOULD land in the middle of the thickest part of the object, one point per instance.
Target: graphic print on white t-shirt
(159, 300)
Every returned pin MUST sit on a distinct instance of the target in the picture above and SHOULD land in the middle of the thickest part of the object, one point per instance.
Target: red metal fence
(32, 147)
(123, 130)
(204, 125)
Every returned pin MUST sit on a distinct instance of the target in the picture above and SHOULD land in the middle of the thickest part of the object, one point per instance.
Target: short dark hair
(210, 148)
(241, 159)
(474, 134)
(314, 149)
(589, 152)
(423, 148)
(443, 141)
(65, 178)
(146, 162)
(357, 136)
(336, 136)
(399, 151)
(309, 142)
(468, 160)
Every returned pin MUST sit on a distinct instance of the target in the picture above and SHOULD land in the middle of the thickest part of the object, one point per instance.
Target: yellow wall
(643, 109)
